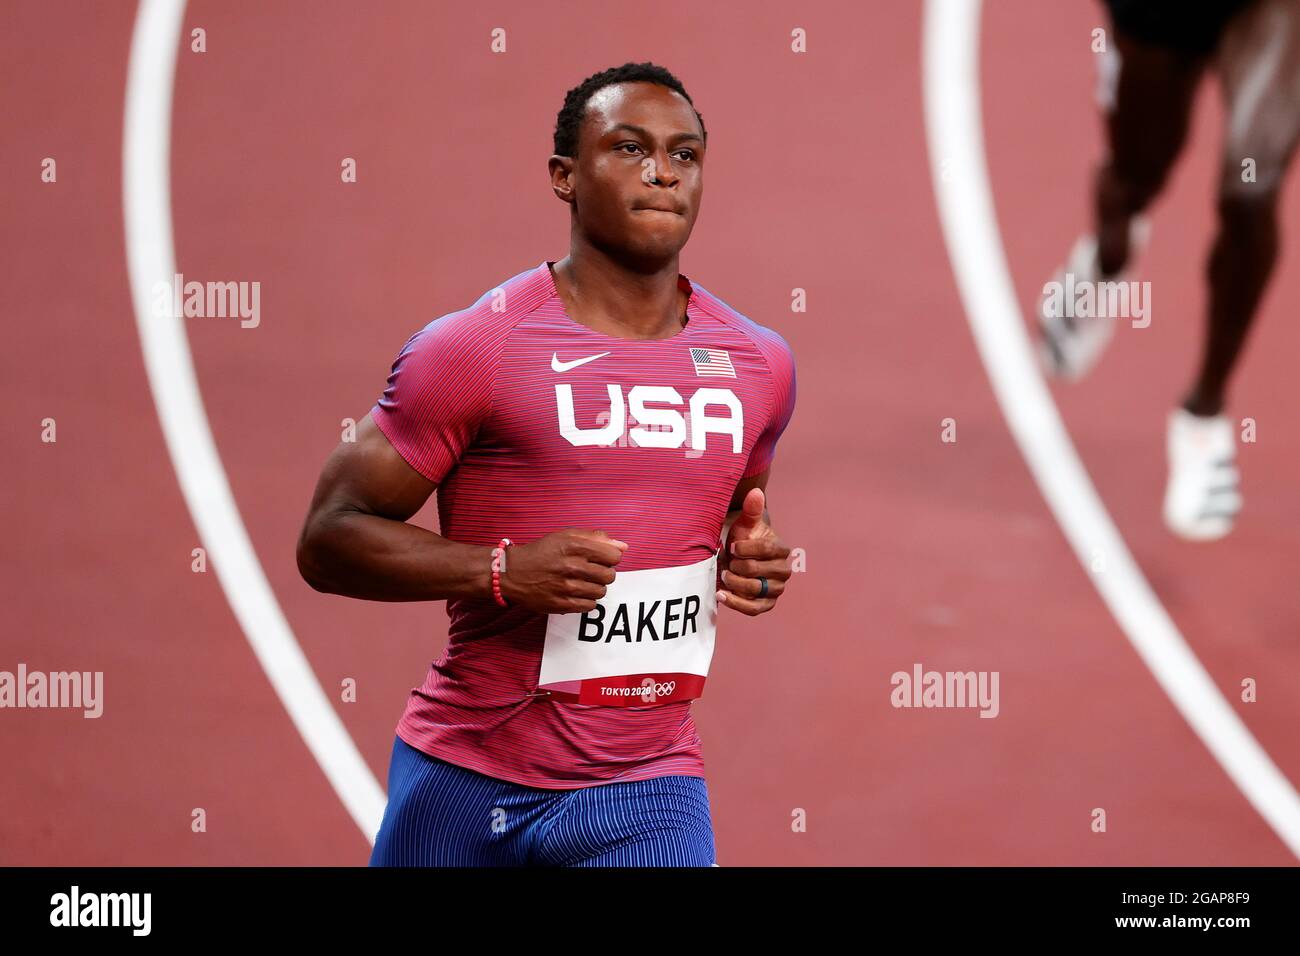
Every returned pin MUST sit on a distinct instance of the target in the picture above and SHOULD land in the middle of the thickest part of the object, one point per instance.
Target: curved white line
(146, 186)
(954, 133)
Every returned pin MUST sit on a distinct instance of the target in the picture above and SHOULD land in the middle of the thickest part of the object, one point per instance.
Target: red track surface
(917, 551)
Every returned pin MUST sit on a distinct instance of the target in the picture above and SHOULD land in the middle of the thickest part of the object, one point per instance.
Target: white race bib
(648, 642)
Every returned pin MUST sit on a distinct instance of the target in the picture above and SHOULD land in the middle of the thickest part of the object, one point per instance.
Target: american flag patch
(712, 362)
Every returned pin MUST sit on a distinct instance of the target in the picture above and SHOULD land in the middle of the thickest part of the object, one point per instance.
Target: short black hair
(569, 120)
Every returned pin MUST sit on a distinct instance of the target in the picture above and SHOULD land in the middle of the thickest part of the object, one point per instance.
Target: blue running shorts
(439, 814)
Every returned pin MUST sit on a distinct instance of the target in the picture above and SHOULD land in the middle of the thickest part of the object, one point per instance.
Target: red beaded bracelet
(498, 568)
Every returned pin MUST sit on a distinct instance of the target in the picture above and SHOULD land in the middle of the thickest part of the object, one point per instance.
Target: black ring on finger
(762, 587)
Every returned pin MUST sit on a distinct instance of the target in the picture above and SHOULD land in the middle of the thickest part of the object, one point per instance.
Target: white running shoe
(1203, 496)
(1069, 346)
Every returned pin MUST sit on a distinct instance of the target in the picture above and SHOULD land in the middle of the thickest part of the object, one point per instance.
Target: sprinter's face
(637, 181)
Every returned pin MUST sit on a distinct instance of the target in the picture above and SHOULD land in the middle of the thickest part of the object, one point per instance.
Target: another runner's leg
(1259, 66)
(1145, 132)
(1146, 91)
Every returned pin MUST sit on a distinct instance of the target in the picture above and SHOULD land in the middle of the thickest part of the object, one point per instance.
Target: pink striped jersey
(527, 422)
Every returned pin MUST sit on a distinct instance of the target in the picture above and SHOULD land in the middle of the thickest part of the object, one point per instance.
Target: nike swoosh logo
(558, 366)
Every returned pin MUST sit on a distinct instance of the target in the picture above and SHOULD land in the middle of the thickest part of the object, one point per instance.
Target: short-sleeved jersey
(529, 423)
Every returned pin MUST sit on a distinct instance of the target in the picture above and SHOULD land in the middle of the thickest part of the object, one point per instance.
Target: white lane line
(954, 133)
(146, 187)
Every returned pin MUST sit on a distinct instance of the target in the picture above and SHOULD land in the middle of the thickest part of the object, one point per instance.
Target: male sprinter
(595, 427)
(1161, 51)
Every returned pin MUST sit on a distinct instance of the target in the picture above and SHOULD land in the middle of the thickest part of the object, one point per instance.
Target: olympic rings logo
(650, 689)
